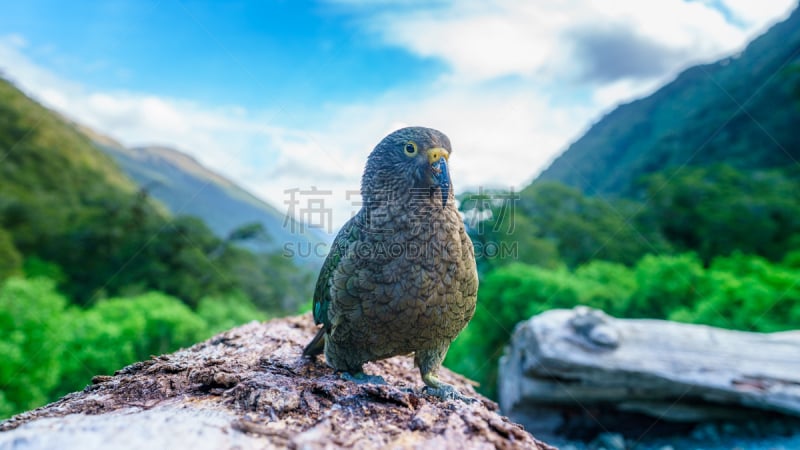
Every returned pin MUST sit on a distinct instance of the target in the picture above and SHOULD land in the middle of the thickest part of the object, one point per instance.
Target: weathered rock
(568, 363)
(249, 388)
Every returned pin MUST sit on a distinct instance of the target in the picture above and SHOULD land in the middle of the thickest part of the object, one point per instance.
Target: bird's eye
(410, 148)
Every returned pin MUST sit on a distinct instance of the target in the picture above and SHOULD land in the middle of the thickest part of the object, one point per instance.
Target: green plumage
(400, 277)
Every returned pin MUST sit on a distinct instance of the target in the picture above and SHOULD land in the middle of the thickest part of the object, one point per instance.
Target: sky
(283, 95)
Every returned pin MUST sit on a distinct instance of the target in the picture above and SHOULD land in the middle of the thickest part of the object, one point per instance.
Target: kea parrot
(400, 277)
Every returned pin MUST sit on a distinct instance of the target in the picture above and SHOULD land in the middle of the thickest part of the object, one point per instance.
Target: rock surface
(249, 388)
(565, 364)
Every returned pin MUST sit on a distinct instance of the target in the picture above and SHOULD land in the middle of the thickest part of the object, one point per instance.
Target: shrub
(120, 331)
(32, 332)
(223, 313)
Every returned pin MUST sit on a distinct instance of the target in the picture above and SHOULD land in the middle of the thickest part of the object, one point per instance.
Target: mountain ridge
(187, 187)
(706, 114)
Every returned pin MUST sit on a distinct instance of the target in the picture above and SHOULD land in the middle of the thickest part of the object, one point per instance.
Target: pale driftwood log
(588, 361)
(248, 388)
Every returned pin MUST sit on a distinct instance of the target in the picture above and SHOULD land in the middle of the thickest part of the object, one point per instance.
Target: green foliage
(664, 284)
(32, 334)
(6, 407)
(248, 232)
(119, 331)
(550, 224)
(34, 267)
(717, 210)
(50, 172)
(127, 248)
(748, 293)
(50, 349)
(223, 313)
(10, 258)
(606, 286)
(271, 280)
(792, 259)
(586, 228)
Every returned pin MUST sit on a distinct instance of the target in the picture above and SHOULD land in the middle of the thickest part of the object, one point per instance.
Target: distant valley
(186, 187)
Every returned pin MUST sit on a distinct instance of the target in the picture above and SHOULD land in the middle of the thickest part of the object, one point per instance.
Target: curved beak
(437, 157)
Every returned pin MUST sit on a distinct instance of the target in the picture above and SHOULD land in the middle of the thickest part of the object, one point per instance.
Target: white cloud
(621, 91)
(513, 98)
(500, 136)
(758, 13)
(482, 40)
(17, 40)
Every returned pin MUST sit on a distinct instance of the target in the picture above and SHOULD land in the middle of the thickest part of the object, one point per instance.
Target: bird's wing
(469, 285)
(322, 292)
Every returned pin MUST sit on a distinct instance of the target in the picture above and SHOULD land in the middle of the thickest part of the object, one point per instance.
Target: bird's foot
(444, 391)
(447, 392)
(362, 378)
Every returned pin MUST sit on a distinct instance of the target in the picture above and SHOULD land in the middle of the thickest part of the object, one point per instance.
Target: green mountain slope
(69, 213)
(49, 172)
(188, 188)
(741, 111)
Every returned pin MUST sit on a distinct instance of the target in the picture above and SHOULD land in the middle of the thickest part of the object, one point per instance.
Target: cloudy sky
(279, 95)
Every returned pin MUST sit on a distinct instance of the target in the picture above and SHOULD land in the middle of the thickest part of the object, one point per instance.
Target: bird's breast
(401, 288)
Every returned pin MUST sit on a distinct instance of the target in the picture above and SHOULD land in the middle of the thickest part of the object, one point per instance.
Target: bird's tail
(317, 345)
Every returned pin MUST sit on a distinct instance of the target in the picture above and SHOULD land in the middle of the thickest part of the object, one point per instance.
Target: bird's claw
(447, 392)
(362, 378)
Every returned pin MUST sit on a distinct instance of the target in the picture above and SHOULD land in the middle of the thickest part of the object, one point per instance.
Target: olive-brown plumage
(401, 275)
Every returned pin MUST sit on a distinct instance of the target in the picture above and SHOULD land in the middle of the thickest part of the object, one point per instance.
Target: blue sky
(291, 94)
(246, 53)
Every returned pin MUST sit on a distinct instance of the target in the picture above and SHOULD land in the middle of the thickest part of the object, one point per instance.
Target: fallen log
(563, 363)
(250, 388)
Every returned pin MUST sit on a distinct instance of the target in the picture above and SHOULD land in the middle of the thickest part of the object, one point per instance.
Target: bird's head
(413, 158)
